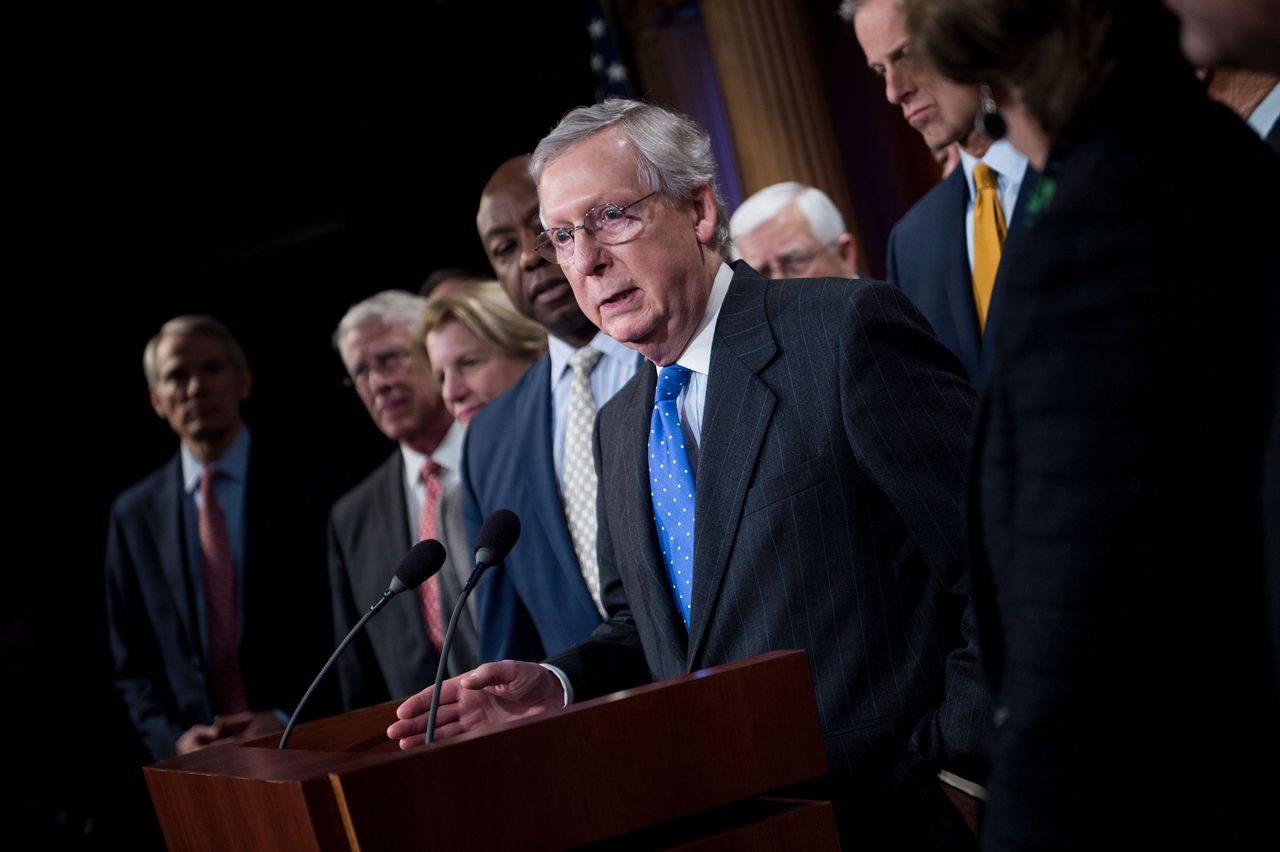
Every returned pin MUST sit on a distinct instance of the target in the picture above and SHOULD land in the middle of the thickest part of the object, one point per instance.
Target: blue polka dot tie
(671, 484)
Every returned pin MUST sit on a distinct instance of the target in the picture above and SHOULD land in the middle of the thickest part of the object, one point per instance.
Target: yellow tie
(988, 237)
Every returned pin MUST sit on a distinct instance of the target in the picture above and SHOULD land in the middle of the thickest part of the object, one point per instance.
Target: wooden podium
(684, 763)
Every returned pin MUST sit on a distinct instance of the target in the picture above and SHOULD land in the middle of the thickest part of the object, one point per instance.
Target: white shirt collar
(697, 355)
(560, 352)
(1001, 156)
(448, 454)
(1265, 114)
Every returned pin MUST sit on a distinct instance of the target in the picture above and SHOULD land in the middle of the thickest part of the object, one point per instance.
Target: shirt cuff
(564, 682)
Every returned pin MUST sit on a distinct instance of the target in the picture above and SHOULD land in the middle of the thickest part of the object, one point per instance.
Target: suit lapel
(1029, 180)
(958, 277)
(735, 419)
(534, 411)
(172, 549)
(632, 468)
(394, 538)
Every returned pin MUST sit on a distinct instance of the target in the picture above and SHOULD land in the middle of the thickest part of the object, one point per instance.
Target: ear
(705, 219)
(156, 401)
(246, 384)
(847, 249)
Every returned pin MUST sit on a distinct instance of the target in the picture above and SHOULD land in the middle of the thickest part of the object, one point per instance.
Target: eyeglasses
(387, 363)
(608, 224)
(793, 264)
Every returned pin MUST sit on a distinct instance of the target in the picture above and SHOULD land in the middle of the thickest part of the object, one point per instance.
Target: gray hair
(673, 154)
(819, 211)
(192, 324)
(389, 306)
(849, 8)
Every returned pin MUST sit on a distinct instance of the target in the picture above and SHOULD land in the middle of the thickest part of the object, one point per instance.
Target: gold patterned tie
(988, 238)
(580, 468)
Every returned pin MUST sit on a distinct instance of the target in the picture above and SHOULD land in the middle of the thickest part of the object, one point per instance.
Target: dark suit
(827, 518)
(368, 536)
(1120, 452)
(535, 603)
(928, 259)
(160, 660)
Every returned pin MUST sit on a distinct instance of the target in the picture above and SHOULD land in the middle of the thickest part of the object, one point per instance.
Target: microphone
(498, 534)
(420, 563)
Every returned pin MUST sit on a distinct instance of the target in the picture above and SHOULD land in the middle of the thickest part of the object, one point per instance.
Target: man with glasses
(529, 450)
(785, 472)
(397, 505)
(790, 230)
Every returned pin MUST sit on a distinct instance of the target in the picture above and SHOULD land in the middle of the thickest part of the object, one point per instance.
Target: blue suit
(536, 603)
(928, 259)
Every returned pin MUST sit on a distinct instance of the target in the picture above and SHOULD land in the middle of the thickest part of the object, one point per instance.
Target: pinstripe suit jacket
(828, 517)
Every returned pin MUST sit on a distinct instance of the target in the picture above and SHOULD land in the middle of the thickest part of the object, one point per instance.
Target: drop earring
(989, 121)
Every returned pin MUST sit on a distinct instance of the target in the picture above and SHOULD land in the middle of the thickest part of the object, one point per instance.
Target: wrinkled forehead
(602, 168)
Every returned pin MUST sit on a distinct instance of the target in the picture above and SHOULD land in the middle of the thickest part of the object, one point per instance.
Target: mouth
(620, 300)
(464, 415)
(917, 115)
(549, 289)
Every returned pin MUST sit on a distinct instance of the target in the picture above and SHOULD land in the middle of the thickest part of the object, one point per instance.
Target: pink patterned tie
(222, 614)
(429, 591)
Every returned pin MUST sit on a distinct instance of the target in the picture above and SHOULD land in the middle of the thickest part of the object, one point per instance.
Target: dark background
(270, 172)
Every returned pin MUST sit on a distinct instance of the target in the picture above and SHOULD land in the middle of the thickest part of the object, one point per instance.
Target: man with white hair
(789, 230)
(397, 505)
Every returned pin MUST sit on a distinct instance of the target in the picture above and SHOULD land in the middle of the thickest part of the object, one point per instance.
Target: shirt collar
(447, 455)
(1001, 156)
(560, 352)
(1266, 113)
(697, 355)
(232, 464)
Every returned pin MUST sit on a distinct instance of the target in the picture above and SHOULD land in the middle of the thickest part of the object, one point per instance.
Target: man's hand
(248, 724)
(197, 737)
(489, 695)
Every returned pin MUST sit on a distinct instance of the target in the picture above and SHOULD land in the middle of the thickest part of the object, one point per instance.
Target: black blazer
(1120, 456)
(928, 259)
(828, 518)
(159, 659)
(368, 536)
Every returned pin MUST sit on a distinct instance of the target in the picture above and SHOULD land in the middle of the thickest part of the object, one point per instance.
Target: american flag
(612, 78)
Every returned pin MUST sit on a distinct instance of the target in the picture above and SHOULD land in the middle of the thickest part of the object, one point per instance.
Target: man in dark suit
(545, 596)
(397, 505)
(936, 253)
(205, 556)
(821, 428)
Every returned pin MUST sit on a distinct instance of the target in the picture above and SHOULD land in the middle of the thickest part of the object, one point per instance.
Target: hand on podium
(489, 695)
(231, 728)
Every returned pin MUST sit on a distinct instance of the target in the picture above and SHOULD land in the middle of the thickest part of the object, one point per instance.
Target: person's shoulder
(139, 498)
(495, 420)
(934, 207)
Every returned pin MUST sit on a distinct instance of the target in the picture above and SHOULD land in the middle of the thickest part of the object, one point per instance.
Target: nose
(529, 257)
(589, 256)
(897, 86)
(454, 389)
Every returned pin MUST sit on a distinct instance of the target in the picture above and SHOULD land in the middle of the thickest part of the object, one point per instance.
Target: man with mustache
(530, 449)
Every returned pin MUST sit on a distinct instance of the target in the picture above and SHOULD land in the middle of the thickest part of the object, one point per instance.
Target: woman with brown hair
(1116, 529)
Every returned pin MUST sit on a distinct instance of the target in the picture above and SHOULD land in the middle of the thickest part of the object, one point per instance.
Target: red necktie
(222, 614)
(429, 591)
